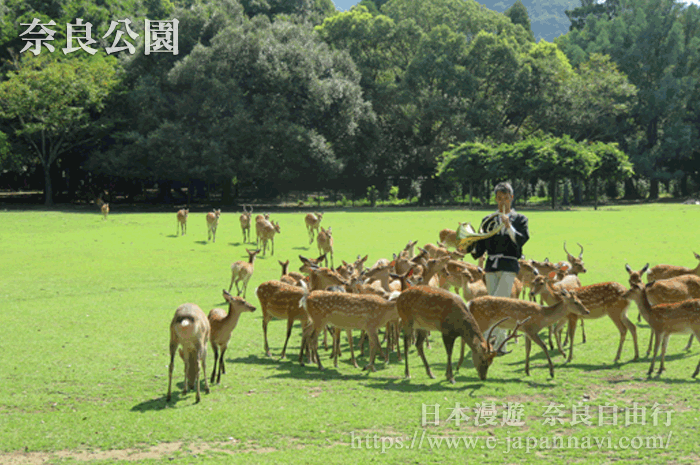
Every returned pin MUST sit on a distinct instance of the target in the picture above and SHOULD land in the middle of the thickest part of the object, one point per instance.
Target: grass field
(86, 308)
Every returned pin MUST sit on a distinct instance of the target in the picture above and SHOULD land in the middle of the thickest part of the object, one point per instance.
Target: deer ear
(409, 273)
(552, 275)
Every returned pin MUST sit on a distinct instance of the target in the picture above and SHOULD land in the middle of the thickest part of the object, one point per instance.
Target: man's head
(504, 195)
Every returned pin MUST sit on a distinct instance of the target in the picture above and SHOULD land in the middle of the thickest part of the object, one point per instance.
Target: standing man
(504, 248)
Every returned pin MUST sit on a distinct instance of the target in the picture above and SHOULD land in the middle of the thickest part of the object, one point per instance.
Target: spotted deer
(312, 222)
(667, 319)
(577, 265)
(666, 291)
(293, 277)
(324, 240)
(190, 329)
(532, 317)
(426, 308)
(182, 221)
(280, 300)
(245, 223)
(669, 271)
(222, 325)
(241, 272)
(212, 223)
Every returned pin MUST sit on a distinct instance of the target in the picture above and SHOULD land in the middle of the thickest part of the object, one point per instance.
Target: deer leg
(571, 333)
(539, 342)
(690, 342)
(216, 357)
(461, 354)
(633, 330)
(583, 332)
(397, 337)
(449, 342)
(348, 332)
(528, 347)
(203, 358)
(622, 328)
(657, 342)
(170, 370)
(664, 344)
(373, 346)
(697, 368)
(651, 342)
(290, 323)
(336, 346)
(222, 366)
(265, 321)
(363, 336)
(422, 334)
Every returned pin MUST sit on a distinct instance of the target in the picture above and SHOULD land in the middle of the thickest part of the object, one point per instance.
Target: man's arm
(522, 232)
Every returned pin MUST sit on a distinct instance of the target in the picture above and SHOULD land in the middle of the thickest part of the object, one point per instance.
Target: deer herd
(419, 292)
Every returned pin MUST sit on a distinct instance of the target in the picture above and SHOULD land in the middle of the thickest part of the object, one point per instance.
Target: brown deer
(533, 317)
(280, 300)
(600, 299)
(241, 271)
(324, 240)
(666, 291)
(449, 237)
(222, 325)
(426, 309)
(667, 319)
(190, 329)
(669, 271)
(260, 222)
(267, 234)
(212, 223)
(182, 221)
(292, 278)
(104, 207)
(577, 266)
(313, 222)
(245, 223)
(345, 311)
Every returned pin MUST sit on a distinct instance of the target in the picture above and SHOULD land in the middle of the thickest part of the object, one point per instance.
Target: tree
(465, 163)
(49, 104)
(518, 15)
(611, 164)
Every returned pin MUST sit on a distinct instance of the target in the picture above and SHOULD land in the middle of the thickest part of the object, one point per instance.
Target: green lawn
(87, 304)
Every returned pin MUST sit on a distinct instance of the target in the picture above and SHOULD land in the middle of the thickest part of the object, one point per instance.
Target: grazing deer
(667, 319)
(669, 271)
(531, 316)
(313, 222)
(242, 271)
(611, 299)
(245, 223)
(212, 223)
(190, 329)
(324, 240)
(267, 234)
(182, 221)
(449, 237)
(280, 300)
(666, 291)
(345, 311)
(427, 308)
(222, 325)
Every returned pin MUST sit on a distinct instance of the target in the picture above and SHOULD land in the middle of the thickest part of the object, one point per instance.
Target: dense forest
(430, 100)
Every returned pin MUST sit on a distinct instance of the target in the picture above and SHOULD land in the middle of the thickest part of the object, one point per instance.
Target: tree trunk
(553, 193)
(48, 186)
(654, 189)
(226, 197)
(471, 191)
(578, 193)
(684, 185)
(595, 193)
(631, 192)
(565, 199)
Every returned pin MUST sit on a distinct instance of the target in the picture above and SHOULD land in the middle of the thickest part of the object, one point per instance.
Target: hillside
(546, 16)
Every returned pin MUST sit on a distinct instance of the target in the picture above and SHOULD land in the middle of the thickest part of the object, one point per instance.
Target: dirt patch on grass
(160, 451)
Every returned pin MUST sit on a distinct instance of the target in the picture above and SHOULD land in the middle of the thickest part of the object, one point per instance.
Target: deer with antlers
(245, 222)
(190, 329)
(241, 272)
(182, 221)
(324, 240)
(666, 291)
(531, 316)
(667, 319)
(212, 224)
(312, 222)
(669, 271)
(426, 309)
(222, 325)
(577, 266)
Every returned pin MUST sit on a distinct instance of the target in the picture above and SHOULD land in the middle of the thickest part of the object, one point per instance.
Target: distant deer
(267, 234)
(313, 222)
(182, 221)
(222, 325)
(669, 271)
(324, 241)
(212, 223)
(449, 237)
(245, 223)
(189, 328)
(241, 271)
(104, 207)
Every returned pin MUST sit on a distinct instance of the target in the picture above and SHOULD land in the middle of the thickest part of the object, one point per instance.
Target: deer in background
(531, 317)
(267, 234)
(104, 207)
(669, 271)
(222, 325)
(292, 278)
(212, 223)
(182, 221)
(190, 329)
(666, 291)
(242, 271)
(324, 240)
(260, 222)
(313, 222)
(245, 223)
(449, 237)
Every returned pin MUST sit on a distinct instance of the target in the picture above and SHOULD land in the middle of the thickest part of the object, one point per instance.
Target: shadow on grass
(301, 248)
(201, 242)
(176, 396)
